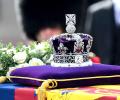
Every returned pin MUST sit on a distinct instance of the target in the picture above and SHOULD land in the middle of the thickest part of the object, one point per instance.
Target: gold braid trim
(63, 80)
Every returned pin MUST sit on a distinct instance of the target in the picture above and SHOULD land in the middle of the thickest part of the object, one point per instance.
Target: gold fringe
(3, 79)
(41, 91)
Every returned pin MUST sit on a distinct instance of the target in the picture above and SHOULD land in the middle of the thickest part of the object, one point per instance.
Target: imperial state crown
(71, 49)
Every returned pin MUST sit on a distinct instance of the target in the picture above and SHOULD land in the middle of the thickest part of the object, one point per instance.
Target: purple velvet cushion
(49, 72)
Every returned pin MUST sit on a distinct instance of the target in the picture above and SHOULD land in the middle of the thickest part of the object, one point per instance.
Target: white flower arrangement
(20, 57)
(23, 56)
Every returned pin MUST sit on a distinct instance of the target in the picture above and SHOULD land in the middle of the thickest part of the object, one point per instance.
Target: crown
(71, 49)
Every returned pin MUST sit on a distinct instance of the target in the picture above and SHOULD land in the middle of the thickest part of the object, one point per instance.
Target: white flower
(10, 51)
(3, 49)
(36, 62)
(43, 47)
(20, 57)
(1, 68)
(40, 47)
(34, 51)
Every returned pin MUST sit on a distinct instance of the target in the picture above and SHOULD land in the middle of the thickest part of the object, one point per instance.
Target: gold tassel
(41, 91)
(3, 79)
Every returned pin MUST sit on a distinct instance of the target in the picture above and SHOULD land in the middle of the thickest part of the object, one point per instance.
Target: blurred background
(38, 20)
(9, 30)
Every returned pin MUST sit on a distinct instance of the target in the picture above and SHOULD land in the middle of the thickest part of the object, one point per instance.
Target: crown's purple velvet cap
(70, 44)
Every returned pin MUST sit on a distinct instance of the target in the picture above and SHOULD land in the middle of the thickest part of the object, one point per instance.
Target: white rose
(43, 47)
(20, 57)
(3, 49)
(1, 68)
(36, 62)
(40, 47)
(34, 51)
(10, 51)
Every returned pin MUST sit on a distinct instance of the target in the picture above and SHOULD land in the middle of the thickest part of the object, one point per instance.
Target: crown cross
(70, 22)
(70, 19)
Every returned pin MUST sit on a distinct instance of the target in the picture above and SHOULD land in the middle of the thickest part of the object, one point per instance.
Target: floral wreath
(22, 56)
(12, 57)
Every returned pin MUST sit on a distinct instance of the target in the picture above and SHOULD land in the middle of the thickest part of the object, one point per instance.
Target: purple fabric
(49, 72)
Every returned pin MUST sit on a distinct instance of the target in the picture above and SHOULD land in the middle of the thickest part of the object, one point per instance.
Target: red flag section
(25, 94)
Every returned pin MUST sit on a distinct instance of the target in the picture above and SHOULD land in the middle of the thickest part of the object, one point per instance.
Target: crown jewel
(71, 49)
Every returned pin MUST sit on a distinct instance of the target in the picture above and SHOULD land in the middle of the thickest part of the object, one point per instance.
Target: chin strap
(3, 79)
(48, 84)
